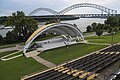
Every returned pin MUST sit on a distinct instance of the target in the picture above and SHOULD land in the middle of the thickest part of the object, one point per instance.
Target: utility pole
(66, 44)
(112, 39)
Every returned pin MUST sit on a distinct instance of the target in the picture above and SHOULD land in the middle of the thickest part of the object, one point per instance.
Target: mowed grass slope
(104, 39)
(58, 56)
(6, 53)
(15, 68)
(2, 46)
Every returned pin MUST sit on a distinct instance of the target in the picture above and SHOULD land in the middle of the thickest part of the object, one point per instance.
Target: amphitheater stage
(40, 46)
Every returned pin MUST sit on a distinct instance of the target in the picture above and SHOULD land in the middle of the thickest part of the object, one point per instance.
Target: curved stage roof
(61, 28)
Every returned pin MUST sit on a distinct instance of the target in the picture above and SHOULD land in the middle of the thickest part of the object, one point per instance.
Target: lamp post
(66, 44)
(112, 38)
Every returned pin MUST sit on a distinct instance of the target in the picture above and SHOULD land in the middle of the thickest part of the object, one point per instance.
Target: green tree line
(23, 26)
(112, 24)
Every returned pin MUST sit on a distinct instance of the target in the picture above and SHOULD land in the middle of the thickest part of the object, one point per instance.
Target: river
(84, 22)
(81, 24)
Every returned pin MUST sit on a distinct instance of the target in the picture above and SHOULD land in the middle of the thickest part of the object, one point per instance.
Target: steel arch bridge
(102, 8)
(43, 9)
(99, 7)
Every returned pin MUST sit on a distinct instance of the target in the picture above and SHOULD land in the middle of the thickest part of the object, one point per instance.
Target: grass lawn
(104, 39)
(2, 46)
(16, 54)
(88, 33)
(58, 56)
(6, 53)
(15, 68)
(6, 46)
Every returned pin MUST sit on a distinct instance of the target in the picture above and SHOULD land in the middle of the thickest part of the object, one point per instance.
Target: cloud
(90, 1)
(30, 5)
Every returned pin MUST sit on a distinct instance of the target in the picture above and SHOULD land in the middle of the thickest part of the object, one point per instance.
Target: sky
(8, 6)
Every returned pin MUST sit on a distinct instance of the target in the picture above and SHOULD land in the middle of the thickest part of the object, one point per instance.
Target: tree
(119, 21)
(115, 29)
(1, 39)
(99, 32)
(119, 28)
(23, 26)
(112, 21)
(94, 25)
(89, 28)
(2, 20)
(111, 24)
(100, 26)
(110, 30)
(10, 37)
(106, 27)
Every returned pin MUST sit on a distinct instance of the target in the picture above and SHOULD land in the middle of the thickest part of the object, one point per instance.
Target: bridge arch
(99, 7)
(71, 29)
(43, 9)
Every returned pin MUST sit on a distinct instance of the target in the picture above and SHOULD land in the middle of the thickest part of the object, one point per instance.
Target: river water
(84, 22)
(81, 24)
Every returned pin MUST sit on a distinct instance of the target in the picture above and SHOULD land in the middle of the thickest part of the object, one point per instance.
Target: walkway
(17, 47)
(11, 56)
(43, 61)
(99, 43)
(8, 49)
(94, 34)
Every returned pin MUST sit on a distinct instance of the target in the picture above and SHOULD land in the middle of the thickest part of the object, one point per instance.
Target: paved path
(43, 61)
(17, 47)
(8, 49)
(94, 34)
(7, 57)
(98, 43)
